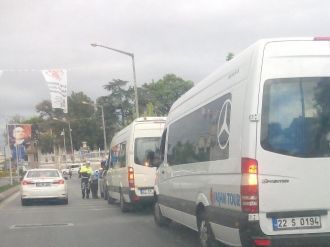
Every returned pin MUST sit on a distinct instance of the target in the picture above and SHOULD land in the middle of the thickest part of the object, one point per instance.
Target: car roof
(43, 169)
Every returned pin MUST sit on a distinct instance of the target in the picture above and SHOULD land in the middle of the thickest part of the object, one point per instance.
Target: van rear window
(296, 116)
(146, 150)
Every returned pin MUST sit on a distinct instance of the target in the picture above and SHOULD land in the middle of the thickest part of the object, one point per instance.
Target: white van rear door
(293, 147)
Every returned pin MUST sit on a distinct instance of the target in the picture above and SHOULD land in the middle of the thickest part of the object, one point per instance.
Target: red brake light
(131, 183)
(322, 38)
(61, 181)
(249, 186)
(27, 182)
(262, 242)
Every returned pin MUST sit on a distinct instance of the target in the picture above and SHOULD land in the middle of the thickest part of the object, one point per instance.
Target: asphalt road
(84, 223)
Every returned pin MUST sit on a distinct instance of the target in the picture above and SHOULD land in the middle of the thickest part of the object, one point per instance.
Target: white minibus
(246, 152)
(134, 158)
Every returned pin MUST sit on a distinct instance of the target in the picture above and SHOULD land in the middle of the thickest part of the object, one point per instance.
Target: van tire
(205, 234)
(105, 193)
(123, 204)
(159, 219)
(110, 199)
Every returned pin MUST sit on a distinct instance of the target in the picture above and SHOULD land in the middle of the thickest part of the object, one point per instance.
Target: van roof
(150, 119)
(161, 120)
(227, 66)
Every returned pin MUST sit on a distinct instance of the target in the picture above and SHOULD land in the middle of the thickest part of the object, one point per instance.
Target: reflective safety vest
(84, 170)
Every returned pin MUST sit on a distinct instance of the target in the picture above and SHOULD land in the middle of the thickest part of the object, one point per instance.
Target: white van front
(293, 142)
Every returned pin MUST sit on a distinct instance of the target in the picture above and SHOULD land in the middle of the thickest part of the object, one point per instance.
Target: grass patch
(7, 186)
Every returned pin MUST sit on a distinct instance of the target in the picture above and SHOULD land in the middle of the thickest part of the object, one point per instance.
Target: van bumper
(135, 199)
(254, 233)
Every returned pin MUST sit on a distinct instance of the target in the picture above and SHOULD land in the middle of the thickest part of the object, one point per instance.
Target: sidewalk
(4, 195)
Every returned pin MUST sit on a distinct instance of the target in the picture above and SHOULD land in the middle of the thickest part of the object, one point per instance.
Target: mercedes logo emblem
(223, 125)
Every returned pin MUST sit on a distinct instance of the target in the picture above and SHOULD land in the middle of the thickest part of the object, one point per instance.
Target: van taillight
(262, 242)
(249, 186)
(322, 38)
(131, 177)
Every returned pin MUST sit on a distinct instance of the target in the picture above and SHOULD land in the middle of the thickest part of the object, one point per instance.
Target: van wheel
(110, 199)
(123, 204)
(205, 234)
(159, 219)
(105, 193)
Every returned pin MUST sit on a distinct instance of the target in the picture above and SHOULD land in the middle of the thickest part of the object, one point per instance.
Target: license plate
(42, 184)
(146, 191)
(296, 223)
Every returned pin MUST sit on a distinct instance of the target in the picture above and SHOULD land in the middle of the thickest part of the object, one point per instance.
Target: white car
(43, 184)
(65, 171)
(75, 168)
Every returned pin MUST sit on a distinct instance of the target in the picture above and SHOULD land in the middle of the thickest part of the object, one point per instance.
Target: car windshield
(43, 174)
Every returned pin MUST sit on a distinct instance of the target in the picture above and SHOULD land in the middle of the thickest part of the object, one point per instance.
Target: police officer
(85, 172)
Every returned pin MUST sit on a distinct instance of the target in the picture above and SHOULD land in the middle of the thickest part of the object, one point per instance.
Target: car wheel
(159, 219)
(123, 204)
(24, 202)
(205, 234)
(66, 201)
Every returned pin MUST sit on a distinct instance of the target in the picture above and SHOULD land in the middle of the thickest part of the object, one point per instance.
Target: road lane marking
(25, 226)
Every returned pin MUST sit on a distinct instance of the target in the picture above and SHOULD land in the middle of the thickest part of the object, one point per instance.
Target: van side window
(162, 145)
(114, 155)
(202, 135)
(122, 155)
(295, 117)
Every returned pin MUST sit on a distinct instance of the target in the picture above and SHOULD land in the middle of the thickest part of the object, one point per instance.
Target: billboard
(19, 136)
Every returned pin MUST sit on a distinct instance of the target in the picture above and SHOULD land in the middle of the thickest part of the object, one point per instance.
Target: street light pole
(64, 144)
(72, 152)
(134, 74)
(70, 135)
(104, 135)
(103, 122)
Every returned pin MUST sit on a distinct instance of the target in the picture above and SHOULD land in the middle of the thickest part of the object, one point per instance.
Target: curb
(4, 195)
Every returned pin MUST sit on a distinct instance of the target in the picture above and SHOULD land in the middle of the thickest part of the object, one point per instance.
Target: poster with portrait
(19, 136)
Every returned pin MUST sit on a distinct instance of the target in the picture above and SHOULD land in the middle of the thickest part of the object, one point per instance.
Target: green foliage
(164, 92)
(230, 56)
(85, 117)
(7, 187)
(150, 110)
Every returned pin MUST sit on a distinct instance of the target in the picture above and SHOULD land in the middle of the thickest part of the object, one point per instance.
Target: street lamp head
(93, 44)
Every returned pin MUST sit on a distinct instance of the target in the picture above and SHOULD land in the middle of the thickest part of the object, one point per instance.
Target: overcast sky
(185, 37)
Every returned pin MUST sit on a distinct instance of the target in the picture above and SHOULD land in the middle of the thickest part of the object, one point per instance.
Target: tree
(230, 56)
(83, 121)
(45, 110)
(121, 99)
(164, 92)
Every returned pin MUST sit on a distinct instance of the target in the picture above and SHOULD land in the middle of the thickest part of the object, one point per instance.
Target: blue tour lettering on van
(226, 198)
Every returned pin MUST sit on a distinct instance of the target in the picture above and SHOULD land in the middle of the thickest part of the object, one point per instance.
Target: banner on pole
(19, 136)
(57, 84)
